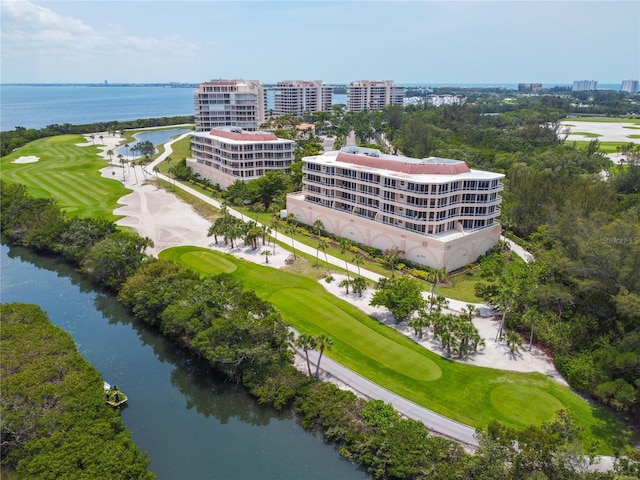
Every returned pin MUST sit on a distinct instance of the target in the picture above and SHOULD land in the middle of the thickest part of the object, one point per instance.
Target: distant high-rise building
(296, 97)
(237, 103)
(373, 95)
(630, 86)
(585, 85)
(530, 87)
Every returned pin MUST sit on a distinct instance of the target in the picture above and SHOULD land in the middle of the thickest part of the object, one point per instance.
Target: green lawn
(605, 147)
(472, 395)
(587, 134)
(67, 173)
(602, 119)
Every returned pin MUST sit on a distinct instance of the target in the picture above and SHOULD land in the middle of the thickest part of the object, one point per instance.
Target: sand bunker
(29, 159)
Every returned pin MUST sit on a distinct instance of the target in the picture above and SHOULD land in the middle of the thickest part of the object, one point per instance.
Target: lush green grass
(605, 147)
(587, 134)
(603, 120)
(67, 173)
(462, 288)
(472, 395)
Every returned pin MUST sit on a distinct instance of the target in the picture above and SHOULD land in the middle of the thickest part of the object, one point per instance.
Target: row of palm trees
(456, 333)
(319, 343)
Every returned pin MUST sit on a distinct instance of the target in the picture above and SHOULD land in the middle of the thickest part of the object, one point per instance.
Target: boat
(114, 396)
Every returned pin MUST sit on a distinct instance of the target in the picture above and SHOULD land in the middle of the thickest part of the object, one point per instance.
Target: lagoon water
(192, 424)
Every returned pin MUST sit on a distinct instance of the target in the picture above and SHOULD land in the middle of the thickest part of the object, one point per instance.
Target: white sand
(28, 159)
(168, 221)
(608, 132)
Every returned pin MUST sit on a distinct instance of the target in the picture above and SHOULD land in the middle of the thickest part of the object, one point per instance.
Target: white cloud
(35, 37)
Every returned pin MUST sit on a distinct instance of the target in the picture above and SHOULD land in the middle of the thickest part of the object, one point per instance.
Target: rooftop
(424, 170)
(236, 134)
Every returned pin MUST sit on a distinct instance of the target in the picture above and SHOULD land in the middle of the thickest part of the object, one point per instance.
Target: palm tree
(122, 162)
(419, 323)
(322, 342)
(274, 226)
(514, 342)
(266, 252)
(319, 226)
(437, 276)
(290, 230)
(359, 285)
(101, 139)
(306, 342)
(358, 260)
(392, 257)
(323, 245)
(110, 154)
(344, 248)
(345, 283)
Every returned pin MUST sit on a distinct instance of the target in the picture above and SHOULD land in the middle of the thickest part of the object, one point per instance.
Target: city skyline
(334, 41)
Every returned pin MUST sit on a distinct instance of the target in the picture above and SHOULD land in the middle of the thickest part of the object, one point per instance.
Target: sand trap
(29, 159)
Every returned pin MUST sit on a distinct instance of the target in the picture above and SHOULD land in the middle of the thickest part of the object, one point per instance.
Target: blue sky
(455, 42)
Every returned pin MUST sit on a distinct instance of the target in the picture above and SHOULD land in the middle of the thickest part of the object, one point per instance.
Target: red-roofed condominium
(297, 97)
(238, 103)
(437, 211)
(373, 95)
(226, 154)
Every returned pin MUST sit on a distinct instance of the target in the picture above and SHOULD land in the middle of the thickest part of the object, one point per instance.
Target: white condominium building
(630, 86)
(373, 95)
(584, 85)
(226, 154)
(296, 97)
(239, 103)
(437, 211)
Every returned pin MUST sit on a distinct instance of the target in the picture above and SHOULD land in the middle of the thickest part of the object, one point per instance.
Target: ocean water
(36, 106)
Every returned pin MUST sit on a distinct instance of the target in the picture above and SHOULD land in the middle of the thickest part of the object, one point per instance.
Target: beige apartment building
(437, 211)
(226, 154)
(373, 95)
(238, 103)
(297, 97)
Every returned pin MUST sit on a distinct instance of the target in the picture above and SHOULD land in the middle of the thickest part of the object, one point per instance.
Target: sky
(454, 42)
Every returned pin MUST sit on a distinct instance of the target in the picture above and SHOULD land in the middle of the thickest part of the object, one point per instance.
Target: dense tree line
(55, 423)
(20, 136)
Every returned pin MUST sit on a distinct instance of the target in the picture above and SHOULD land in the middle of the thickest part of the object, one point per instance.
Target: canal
(191, 424)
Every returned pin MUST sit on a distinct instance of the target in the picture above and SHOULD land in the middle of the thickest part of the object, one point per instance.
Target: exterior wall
(373, 95)
(226, 155)
(236, 103)
(452, 252)
(299, 97)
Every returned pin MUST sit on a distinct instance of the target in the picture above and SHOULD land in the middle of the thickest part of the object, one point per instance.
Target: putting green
(207, 261)
(523, 404)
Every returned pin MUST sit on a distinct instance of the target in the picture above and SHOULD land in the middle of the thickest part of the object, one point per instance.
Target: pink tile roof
(404, 167)
(255, 137)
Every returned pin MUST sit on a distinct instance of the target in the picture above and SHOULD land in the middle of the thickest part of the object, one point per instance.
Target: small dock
(113, 395)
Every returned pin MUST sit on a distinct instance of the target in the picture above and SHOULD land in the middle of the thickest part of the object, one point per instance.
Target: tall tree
(322, 343)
